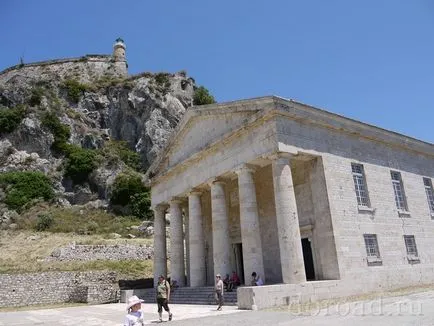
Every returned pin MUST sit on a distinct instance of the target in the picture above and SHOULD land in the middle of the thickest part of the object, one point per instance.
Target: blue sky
(370, 60)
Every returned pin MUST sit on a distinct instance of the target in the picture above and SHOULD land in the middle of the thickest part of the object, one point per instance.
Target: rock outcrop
(97, 106)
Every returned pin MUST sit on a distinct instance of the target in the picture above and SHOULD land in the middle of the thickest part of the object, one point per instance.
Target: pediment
(202, 131)
(204, 125)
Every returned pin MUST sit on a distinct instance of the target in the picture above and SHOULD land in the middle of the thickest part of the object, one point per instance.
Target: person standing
(163, 297)
(134, 316)
(219, 288)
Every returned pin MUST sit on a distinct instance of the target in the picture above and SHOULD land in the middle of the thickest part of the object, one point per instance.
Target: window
(371, 245)
(360, 185)
(373, 253)
(410, 246)
(429, 194)
(398, 188)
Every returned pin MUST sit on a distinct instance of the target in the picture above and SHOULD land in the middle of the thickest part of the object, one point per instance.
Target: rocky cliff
(51, 111)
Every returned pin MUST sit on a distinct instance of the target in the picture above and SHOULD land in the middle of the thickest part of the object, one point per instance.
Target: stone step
(184, 295)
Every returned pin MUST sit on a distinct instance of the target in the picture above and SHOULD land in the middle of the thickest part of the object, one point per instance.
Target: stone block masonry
(58, 287)
(102, 252)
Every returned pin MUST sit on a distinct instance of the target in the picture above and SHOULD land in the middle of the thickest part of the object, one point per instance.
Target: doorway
(308, 259)
(239, 267)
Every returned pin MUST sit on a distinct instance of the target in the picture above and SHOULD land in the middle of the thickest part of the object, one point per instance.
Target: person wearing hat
(134, 316)
(163, 297)
(219, 287)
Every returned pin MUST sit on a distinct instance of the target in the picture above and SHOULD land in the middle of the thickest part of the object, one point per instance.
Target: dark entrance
(308, 259)
(238, 253)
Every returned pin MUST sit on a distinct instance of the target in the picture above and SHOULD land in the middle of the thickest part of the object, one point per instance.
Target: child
(134, 316)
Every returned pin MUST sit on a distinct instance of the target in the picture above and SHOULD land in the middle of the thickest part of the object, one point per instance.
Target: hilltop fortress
(84, 69)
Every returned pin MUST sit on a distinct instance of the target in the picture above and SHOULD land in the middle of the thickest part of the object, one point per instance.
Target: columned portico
(291, 254)
(160, 255)
(196, 241)
(291, 213)
(249, 223)
(177, 267)
(220, 228)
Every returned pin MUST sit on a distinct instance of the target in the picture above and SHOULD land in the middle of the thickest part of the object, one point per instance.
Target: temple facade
(295, 194)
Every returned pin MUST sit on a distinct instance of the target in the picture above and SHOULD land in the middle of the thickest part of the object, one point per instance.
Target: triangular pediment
(202, 126)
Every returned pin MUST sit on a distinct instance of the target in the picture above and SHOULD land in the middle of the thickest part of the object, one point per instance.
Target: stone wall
(85, 69)
(292, 295)
(102, 252)
(58, 287)
(350, 222)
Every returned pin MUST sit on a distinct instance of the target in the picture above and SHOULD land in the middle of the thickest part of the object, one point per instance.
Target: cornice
(313, 116)
(291, 109)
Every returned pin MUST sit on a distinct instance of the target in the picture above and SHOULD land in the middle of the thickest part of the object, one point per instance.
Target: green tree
(202, 96)
(141, 205)
(125, 186)
(129, 190)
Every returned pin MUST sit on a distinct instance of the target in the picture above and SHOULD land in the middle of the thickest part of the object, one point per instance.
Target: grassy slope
(24, 251)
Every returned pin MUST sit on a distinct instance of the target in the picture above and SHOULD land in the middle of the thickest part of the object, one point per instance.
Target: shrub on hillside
(80, 163)
(129, 190)
(124, 187)
(141, 205)
(115, 150)
(162, 82)
(44, 222)
(60, 131)
(23, 187)
(36, 96)
(75, 89)
(202, 96)
(10, 118)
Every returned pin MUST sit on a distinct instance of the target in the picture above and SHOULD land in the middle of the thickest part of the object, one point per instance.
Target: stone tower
(119, 50)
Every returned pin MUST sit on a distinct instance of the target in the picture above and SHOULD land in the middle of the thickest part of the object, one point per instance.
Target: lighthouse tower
(119, 50)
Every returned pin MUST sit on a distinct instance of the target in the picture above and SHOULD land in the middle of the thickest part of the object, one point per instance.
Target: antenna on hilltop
(22, 59)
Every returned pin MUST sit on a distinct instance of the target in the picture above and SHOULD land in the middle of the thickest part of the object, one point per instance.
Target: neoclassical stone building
(296, 194)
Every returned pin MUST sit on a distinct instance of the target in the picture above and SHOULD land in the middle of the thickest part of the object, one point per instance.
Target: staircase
(187, 295)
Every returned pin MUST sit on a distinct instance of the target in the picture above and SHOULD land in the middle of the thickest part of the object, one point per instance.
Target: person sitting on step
(234, 281)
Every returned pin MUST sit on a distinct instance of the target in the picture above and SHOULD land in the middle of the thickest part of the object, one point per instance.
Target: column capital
(216, 180)
(176, 200)
(245, 168)
(195, 192)
(280, 155)
(161, 208)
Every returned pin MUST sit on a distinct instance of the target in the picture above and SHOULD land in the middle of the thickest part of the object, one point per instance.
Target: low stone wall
(58, 287)
(101, 252)
(263, 297)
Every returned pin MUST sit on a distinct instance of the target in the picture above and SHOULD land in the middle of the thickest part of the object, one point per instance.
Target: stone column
(160, 255)
(249, 223)
(288, 228)
(177, 269)
(187, 242)
(220, 229)
(196, 241)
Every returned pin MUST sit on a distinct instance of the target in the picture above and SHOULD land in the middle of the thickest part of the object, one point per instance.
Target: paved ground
(413, 309)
